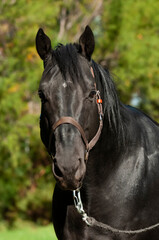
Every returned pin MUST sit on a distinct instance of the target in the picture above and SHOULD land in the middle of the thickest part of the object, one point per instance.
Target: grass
(29, 233)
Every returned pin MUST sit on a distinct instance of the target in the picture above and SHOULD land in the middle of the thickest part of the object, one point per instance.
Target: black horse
(119, 180)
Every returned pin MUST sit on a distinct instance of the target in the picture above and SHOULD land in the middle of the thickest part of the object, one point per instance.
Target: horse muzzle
(69, 177)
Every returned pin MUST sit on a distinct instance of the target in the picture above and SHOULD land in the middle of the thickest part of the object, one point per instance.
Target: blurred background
(127, 42)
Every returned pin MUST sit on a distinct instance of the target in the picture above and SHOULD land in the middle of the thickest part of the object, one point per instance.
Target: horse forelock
(66, 57)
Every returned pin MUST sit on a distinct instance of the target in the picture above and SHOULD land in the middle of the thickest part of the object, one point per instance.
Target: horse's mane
(67, 59)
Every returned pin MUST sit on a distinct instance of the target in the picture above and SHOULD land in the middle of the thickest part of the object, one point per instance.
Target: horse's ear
(87, 42)
(43, 44)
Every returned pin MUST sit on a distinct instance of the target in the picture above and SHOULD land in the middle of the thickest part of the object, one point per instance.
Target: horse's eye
(92, 94)
(42, 96)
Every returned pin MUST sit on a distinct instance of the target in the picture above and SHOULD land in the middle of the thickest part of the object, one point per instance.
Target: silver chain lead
(92, 222)
(79, 206)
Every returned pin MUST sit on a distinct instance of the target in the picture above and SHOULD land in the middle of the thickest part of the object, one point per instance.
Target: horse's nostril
(57, 171)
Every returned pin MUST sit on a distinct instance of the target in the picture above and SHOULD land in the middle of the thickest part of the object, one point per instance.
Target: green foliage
(26, 182)
(126, 34)
(130, 45)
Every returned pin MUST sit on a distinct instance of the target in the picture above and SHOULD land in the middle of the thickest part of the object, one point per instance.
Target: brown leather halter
(72, 121)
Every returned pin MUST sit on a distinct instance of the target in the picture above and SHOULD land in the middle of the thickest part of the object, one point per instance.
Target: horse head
(67, 90)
